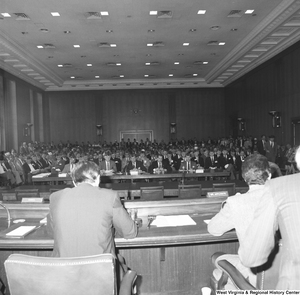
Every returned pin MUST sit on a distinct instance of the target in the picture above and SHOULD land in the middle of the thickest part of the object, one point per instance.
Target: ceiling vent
(188, 76)
(111, 64)
(21, 16)
(164, 14)
(284, 32)
(67, 65)
(271, 41)
(49, 46)
(158, 44)
(104, 45)
(93, 15)
(198, 63)
(235, 13)
(213, 43)
(154, 63)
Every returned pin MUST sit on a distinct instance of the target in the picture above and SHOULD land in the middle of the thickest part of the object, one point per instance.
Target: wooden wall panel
(272, 86)
(197, 113)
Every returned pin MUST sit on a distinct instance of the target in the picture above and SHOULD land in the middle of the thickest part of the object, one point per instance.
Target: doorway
(296, 131)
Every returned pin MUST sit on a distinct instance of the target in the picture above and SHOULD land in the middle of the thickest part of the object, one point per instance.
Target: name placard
(217, 194)
(32, 200)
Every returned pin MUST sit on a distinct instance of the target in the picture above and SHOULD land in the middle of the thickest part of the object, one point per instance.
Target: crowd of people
(227, 153)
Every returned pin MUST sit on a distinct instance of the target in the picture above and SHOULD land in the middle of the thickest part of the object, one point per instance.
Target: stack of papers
(173, 220)
(21, 231)
(41, 175)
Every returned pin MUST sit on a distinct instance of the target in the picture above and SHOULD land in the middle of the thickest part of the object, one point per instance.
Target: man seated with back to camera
(238, 212)
(84, 218)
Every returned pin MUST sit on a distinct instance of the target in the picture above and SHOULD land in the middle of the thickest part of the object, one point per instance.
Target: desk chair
(189, 191)
(229, 187)
(89, 275)
(152, 193)
(27, 193)
(228, 271)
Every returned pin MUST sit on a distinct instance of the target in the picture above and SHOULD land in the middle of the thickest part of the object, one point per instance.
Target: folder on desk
(21, 231)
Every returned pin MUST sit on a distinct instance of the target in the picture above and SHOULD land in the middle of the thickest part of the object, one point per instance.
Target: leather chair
(228, 271)
(229, 187)
(189, 191)
(90, 275)
(152, 193)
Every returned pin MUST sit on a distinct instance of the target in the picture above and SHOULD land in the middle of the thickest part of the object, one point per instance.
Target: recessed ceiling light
(170, 75)
(104, 12)
(148, 54)
(201, 12)
(40, 46)
(60, 66)
(234, 29)
(89, 65)
(176, 63)
(44, 30)
(221, 43)
(186, 44)
(76, 46)
(72, 77)
(97, 77)
(192, 30)
(151, 31)
(147, 63)
(83, 56)
(180, 54)
(50, 56)
(118, 64)
(249, 11)
(55, 13)
(149, 44)
(113, 45)
(146, 76)
(109, 31)
(153, 12)
(205, 62)
(214, 28)
(122, 76)
(67, 32)
(5, 14)
(195, 75)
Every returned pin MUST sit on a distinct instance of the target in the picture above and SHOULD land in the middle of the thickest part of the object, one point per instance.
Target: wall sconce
(27, 129)
(99, 130)
(242, 124)
(172, 128)
(276, 118)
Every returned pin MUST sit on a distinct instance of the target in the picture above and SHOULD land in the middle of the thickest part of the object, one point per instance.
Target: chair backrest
(189, 191)
(229, 187)
(152, 193)
(28, 193)
(90, 275)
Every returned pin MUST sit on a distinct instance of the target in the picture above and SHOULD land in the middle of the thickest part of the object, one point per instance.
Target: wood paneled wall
(198, 113)
(272, 86)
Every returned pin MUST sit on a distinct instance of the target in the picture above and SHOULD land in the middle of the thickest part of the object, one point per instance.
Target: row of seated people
(24, 167)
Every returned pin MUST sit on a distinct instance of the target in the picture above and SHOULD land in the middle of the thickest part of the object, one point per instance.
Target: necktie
(187, 165)
(107, 166)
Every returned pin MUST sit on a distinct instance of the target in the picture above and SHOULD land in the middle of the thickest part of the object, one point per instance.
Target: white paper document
(21, 231)
(173, 220)
(207, 221)
(62, 175)
(41, 175)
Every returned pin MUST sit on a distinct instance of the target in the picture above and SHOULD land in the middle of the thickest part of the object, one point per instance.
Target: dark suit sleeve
(122, 222)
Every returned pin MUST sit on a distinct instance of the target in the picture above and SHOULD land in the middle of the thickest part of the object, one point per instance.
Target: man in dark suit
(117, 161)
(261, 145)
(135, 164)
(83, 218)
(107, 166)
(29, 170)
(211, 161)
(160, 166)
(187, 164)
(271, 149)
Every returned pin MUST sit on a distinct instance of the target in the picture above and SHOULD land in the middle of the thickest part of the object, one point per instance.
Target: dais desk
(182, 177)
(169, 260)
